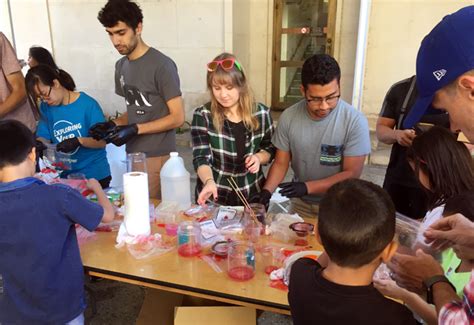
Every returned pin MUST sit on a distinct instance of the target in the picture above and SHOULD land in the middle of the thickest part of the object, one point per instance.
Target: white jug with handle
(175, 182)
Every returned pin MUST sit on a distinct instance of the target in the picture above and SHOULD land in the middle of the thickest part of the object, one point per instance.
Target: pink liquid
(171, 229)
(241, 273)
(189, 250)
(301, 242)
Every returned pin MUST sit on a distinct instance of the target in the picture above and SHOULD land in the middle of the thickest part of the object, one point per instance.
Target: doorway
(301, 28)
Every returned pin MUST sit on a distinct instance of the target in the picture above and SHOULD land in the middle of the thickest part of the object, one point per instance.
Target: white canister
(175, 182)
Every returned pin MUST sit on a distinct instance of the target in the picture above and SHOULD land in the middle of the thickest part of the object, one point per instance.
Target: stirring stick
(234, 186)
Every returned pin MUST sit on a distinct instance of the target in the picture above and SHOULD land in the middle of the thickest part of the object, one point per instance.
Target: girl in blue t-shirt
(66, 116)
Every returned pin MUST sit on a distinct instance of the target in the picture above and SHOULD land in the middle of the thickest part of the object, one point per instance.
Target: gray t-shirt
(147, 83)
(318, 146)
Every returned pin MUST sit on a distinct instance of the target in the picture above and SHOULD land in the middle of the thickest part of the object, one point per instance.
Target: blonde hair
(237, 79)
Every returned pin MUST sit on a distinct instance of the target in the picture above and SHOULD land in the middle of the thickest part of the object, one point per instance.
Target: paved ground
(119, 303)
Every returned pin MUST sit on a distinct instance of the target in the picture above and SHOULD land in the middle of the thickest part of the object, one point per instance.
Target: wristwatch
(430, 282)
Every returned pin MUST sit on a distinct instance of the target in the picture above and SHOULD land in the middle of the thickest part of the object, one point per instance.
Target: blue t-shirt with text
(61, 122)
(41, 273)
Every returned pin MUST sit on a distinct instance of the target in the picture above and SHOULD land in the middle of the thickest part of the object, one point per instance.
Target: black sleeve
(390, 104)
(299, 292)
(300, 276)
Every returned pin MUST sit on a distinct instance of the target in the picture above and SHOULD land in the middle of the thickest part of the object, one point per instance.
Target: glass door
(301, 28)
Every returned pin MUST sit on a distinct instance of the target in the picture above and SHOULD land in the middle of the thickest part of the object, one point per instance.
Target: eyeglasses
(43, 97)
(318, 101)
(226, 64)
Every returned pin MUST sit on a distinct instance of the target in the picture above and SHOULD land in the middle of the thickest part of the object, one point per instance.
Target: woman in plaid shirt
(231, 135)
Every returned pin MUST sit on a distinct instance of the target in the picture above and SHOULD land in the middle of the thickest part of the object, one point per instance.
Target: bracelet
(207, 180)
(430, 282)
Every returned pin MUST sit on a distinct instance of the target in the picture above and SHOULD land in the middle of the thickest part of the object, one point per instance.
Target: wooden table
(189, 276)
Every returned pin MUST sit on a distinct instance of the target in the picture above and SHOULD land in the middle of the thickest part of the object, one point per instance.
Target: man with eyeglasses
(325, 139)
(149, 82)
(14, 103)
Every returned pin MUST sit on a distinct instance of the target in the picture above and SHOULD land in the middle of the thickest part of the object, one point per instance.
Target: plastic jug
(175, 182)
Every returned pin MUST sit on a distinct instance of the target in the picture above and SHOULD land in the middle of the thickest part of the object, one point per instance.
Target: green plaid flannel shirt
(218, 151)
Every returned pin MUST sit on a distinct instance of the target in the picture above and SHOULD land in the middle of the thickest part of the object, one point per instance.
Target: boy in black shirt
(356, 226)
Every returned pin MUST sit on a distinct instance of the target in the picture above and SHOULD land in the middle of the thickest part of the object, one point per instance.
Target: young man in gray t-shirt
(149, 82)
(325, 139)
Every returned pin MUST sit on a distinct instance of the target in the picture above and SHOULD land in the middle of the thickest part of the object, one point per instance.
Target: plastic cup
(76, 176)
(171, 229)
(302, 230)
(252, 231)
(136, 162)
(241, 261)
(272, 258)
(258, 210)
(189, 239)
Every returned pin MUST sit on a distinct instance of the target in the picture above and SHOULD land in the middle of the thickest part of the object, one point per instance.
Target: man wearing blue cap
(445, 79)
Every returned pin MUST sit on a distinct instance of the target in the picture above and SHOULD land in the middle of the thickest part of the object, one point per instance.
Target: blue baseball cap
(445, 53)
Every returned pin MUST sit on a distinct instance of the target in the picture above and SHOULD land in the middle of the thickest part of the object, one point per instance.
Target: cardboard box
(215, 316)
(158, 307)
(166, 308)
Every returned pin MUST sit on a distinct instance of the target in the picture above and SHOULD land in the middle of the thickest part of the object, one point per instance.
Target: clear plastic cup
(272, 258)
(189, 239)
(76, 176)
(259, 211)
(136, 162)
(252, 231)
(241, 261)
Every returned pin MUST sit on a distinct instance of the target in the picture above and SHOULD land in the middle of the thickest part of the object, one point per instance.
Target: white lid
(174, 154)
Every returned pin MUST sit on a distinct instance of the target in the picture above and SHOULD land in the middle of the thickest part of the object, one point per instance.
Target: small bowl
(220, 248)
(302, 229)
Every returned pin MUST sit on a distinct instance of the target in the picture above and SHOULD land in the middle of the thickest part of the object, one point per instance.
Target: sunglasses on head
(226, 64)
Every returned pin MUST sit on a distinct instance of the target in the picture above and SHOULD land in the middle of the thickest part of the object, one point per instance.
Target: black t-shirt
(239, 131)
(397, 103)
(315, 300)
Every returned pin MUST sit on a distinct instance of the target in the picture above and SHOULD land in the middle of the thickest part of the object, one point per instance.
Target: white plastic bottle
(175, 182)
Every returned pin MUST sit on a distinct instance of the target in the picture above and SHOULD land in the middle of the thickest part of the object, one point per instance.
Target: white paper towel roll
(137, 209)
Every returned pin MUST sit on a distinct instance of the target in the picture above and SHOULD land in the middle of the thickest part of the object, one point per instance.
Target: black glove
(101, 130)
(68, 145)
(264, 198)
(293, 189)
(40, 147)
(122, 134)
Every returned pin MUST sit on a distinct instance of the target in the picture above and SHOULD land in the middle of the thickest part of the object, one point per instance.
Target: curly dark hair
(120, 10)
(320, 69)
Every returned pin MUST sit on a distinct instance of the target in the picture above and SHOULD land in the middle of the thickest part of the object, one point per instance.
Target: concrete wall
(345, 43)
(252, 43)
(191, 32)
(396, 30)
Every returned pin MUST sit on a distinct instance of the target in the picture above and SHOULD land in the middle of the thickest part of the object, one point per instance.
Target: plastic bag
(382, 273)
(141, 247)
(407, 231)
(83, 235)
(200, 213)
(167, 212)
(280, 226)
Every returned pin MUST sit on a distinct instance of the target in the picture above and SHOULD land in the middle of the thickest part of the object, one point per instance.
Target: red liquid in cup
(241, 273)
(301, 242)
(189, 250)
